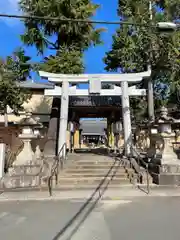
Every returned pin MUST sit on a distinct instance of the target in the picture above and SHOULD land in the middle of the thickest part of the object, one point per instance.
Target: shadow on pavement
(101, 190)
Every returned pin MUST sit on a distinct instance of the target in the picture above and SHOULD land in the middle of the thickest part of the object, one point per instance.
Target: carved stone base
(23, 176)
(165, 179)
(165, 174)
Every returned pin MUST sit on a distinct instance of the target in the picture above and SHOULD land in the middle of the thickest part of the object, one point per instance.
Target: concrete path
(136, 218)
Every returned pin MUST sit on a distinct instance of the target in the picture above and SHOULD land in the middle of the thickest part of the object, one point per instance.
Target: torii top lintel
(84, 78)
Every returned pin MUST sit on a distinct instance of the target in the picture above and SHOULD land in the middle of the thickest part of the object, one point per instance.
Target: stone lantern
(165, 130)
(27, 156)
(166, 169)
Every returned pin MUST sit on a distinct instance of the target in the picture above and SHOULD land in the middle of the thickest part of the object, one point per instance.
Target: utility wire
(46, 18)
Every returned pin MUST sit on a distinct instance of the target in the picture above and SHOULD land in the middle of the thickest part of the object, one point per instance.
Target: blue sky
(10, 30)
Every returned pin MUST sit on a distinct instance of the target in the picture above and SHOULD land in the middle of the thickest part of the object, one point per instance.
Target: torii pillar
(126, 118)
(64, 114)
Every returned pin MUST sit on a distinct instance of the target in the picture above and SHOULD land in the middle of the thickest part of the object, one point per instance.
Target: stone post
(2, 159)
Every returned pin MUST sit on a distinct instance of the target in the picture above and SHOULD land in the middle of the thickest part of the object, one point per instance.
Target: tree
(13, 70)
(136, 46)
(67, 39)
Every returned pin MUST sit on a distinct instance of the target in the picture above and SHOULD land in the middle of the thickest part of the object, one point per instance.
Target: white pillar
(63, 114)
(126, 118)
(2, 159)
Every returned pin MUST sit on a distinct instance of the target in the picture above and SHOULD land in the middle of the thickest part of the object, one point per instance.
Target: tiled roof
(35, 85)
(93, 127)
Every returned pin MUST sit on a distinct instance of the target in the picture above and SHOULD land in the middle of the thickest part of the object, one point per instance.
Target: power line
(73, 20)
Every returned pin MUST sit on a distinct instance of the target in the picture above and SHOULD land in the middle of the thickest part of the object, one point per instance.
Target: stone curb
(84, 195)
(121, 187)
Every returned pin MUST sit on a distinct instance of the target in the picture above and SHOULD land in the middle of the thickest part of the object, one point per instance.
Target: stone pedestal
(166, 174)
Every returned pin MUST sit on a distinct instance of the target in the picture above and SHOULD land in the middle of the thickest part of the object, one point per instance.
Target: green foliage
(66, 61)
(138, 106)
(18, 64)
(171, 8)
(134, 47)
(13, 70)
(63, 37)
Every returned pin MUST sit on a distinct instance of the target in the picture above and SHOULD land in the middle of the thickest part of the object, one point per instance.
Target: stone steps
(94, 167)
(90, 180)
(88, 171)
(92, 187)
(89, 175)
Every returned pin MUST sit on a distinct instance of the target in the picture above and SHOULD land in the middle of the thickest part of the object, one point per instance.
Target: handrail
(59, 159)
(144, 163)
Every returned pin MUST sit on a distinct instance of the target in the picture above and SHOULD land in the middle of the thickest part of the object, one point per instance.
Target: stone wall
(39, 105)
(9, 136)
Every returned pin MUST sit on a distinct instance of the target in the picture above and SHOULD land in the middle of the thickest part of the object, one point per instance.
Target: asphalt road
(141, 218)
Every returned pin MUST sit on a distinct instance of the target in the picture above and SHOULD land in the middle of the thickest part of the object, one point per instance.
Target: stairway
(89, 171)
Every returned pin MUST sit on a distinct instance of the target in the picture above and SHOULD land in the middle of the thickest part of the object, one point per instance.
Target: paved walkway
(137, 218)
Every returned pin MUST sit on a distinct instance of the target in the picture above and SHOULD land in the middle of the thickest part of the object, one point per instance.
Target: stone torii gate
(64, 88)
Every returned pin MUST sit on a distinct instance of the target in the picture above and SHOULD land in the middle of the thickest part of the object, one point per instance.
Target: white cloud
(9, 7)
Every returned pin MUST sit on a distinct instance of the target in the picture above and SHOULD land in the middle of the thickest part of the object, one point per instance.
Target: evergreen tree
(136, 46)
(13, 70)
(67, 39)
